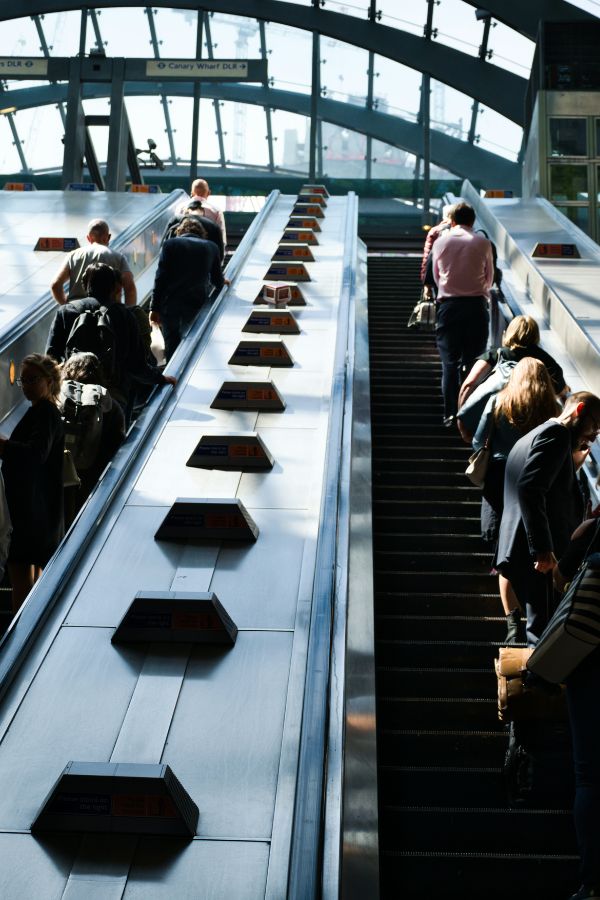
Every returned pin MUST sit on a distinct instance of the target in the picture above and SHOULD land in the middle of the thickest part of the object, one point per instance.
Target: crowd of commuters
(82, 390)
(535, 513)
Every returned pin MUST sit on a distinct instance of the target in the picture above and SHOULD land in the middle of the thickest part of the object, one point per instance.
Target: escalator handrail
(307, 832)
(30, 619)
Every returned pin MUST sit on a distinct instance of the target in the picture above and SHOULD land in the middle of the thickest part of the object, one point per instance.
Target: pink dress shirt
(463, 265)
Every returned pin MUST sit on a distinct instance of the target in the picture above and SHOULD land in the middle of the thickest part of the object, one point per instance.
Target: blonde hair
(49, 368)
(528, 399)
(520, 333)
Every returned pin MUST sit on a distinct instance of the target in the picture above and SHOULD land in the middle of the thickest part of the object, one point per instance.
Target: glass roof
(236, 132)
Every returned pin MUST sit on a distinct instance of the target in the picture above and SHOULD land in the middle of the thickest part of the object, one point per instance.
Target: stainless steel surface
(359, 864)
(228, 721)
(561, 293)
(26, 305)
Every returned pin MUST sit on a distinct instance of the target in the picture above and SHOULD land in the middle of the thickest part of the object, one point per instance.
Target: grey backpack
(83, 407)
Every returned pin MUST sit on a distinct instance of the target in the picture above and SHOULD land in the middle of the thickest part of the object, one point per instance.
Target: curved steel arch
(495, 88)
(460, 157)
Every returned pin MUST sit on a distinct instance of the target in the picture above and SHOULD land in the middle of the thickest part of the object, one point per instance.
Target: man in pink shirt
(463, 268)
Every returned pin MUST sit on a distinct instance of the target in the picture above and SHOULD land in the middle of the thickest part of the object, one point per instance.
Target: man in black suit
(188, 268)
(543, 505)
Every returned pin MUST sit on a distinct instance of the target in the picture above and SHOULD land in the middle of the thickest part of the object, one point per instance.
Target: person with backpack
(102, 325)
(491, 371)
(195, 209)
(94, 424)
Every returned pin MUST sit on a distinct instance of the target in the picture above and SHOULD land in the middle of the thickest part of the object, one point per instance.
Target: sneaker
(586, 892)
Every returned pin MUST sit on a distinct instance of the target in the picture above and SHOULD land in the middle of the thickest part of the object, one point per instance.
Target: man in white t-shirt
(77, 263)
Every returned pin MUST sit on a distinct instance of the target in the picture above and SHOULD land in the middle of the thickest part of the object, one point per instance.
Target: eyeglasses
(33, 379)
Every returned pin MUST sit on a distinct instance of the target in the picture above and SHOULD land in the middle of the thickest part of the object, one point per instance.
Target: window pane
(510, 50)
(9, 158)
(411, 18)
(344, 152)
(344, 71)
(124, 32)
(289, 55)
(568, 183)
(291, 137)
(457, 26)
(568, 137)
(387, 97)
(577, 214)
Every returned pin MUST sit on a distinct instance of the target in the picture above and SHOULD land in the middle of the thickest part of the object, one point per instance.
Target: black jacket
(542, 501)
(187, 266)
(131, 358)
(213, 232)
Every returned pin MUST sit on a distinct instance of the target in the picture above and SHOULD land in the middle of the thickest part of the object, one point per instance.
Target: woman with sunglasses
(32, 464)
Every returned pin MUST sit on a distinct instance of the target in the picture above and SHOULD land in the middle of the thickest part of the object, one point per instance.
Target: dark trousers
(461, 334)
(174, 324)
(535, 594)
(583, 691)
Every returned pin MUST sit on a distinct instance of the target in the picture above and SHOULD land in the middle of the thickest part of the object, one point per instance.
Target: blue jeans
(461, 334)
(583, 696)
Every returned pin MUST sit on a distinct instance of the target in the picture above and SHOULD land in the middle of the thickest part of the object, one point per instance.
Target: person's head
(191, 226)
(521, 332)
(85, 368)
(103, 283)
(40, 378)
(462, 214)
(581, 414)
(200, 188)
(447, 212)
(98, 232)
(528, 399)
(194, 208)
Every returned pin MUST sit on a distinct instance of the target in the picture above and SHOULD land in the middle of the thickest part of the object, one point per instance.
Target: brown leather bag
(518, 701)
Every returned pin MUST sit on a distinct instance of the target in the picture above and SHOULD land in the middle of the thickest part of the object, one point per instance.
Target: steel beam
(163, 97)
(268, 119)
(465, 160)
(216, 101)
(196, 104)
(491, 85)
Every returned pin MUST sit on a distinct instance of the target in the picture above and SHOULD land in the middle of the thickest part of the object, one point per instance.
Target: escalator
(445, 828)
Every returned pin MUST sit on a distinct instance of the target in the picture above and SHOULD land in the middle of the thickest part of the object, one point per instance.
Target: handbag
(519, 700)
(479, 460)
(70, 476)
(574, 630)
(424, 314)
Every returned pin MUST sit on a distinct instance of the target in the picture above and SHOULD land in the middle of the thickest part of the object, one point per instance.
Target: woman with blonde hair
(32, 465)
(520, 339)
(527, 400)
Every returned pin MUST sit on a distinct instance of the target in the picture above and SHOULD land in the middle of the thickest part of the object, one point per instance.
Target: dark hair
(191, 225)
(83, 367)
(195, 205)
(463, 214)
(101, 281)
(590, 402)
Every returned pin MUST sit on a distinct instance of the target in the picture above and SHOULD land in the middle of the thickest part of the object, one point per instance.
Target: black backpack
(83, 407)
(92, 332)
